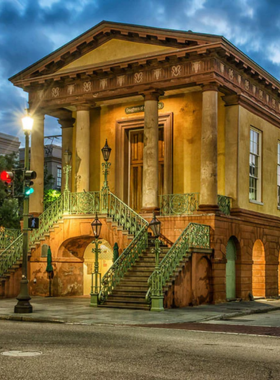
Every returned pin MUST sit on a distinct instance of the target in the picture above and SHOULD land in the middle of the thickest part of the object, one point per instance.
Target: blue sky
(31, 29)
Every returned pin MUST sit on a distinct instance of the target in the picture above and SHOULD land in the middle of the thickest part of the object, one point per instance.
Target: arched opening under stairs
(105, 261)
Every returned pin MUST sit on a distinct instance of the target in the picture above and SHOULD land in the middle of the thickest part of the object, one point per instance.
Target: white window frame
(255, 172)
(58, 178)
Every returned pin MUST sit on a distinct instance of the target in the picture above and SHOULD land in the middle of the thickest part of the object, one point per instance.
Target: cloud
(31, 29)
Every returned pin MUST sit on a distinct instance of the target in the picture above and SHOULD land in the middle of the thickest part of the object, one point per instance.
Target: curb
(246, 312)
(30, 319)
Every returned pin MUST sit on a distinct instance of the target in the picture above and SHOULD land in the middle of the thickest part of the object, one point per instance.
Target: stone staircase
(131, 291)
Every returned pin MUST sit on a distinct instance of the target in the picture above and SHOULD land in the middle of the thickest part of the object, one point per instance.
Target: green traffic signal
(28, 191)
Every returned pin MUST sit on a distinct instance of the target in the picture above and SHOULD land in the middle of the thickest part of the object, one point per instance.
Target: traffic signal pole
(23, 305)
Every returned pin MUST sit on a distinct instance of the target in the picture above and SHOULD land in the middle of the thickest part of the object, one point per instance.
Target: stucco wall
(270, 138)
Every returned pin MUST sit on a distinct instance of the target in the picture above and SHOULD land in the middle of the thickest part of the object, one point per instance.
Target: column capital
(84, 107)
(66, 123)
(231, 100)
(152, 94)
(210, 87)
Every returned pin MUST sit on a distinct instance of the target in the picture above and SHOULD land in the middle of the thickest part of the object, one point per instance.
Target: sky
(31, 29)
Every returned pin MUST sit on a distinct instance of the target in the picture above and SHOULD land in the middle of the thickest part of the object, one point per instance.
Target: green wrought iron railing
(124, 215)
(194, 236)
(179, 204)
(11, 255)
(83, 203)
(47, 219)
(7, 236)
(224, 204)
(187, 204)
(117, 271)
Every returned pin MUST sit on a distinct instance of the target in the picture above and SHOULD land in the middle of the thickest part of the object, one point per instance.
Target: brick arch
(258, 269)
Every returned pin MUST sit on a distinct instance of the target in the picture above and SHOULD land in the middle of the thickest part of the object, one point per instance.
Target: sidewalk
(77, 310)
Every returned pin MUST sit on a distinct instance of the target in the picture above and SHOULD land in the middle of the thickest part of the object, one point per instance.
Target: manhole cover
(21, 353)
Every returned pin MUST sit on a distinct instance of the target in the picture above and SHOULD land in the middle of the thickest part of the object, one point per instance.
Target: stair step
(127, 298)
(125, 305)
(130, 288)
(131, 293)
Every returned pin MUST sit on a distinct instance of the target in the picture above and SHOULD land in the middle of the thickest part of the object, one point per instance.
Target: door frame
(123, 126)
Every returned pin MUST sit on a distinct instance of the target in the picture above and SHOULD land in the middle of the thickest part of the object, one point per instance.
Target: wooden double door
(136, 140)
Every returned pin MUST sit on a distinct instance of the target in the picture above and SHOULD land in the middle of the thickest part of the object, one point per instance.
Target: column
(82, 148)
(231, 147)
(209, 162)
(67, 144)
(37, 155)
(150, 153)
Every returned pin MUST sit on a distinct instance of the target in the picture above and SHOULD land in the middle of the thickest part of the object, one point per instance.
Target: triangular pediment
(114, 51)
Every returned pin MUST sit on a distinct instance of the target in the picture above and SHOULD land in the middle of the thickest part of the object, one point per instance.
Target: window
(58, 177)
(255, 166)
(278, 174)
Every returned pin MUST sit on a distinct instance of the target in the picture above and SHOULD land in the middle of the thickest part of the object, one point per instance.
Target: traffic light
(8, 179)
(29, 175)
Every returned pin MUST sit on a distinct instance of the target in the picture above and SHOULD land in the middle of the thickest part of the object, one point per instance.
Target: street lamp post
(95, 289)
(67, 169)
(23, 305)
(106, 151)
(157, 296)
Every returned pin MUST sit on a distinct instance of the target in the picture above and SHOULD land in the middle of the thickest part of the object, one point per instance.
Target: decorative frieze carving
(176, 70)
(70, 89)
(196, 66)
(120, 80)
(103, 83)
(55, 92)
(87, 86)
(185, 72)
(138, 77)
(157, 74)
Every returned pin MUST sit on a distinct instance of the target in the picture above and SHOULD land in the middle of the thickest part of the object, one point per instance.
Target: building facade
(8, 144)
(193, 124)
(52, 164)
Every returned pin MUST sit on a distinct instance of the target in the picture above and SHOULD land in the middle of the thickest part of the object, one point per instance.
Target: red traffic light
(6, 176)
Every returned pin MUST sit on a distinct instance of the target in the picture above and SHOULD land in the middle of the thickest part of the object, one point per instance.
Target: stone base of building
(252, 266)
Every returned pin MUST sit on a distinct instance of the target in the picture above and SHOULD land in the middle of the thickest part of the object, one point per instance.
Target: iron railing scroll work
(194, 236)
(11, 255)
(7, 236)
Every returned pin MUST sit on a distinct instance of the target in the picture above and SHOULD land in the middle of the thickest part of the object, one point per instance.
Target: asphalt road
(118, 352)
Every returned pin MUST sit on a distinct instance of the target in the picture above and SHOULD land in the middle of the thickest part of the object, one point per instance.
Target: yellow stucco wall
(270, 138)
(114, 50)
(186, 109)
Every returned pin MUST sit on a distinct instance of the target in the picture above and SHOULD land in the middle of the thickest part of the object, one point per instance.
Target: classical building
(8, 144)
(193, 124)
(52, 163)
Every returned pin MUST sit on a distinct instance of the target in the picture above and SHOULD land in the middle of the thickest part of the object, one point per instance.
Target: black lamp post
(106, 151)
(157, 296)
(96, 226)
(23, 305)
(67, 169)
(155, 226)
